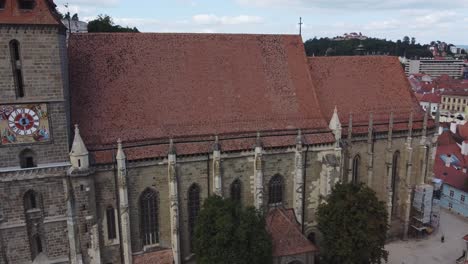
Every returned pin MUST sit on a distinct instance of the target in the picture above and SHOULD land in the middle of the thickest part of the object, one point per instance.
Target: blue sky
(425, 20)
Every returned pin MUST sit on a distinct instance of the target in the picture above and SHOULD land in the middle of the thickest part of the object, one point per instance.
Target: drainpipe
(304, 174)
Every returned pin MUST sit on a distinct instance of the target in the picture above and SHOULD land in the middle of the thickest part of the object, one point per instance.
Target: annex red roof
(141, 87)
(452, 175)
(286, 235)
(157, 257)
(363, 84)
(43, 13)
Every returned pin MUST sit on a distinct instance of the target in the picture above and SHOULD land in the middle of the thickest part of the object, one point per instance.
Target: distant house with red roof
(451, 166)
(430, 100)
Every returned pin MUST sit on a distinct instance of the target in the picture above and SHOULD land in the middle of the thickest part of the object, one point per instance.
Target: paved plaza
(430, 250)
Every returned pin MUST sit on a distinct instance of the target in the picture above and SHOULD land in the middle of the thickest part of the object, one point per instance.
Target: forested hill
(319, 47)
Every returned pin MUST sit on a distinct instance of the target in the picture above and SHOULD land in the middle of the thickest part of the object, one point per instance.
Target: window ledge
(150, 247)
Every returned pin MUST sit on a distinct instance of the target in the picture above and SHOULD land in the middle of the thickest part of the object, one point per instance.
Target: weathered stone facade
(71, 209)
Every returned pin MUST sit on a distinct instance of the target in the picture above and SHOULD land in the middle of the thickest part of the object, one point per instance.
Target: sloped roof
(287, 238)
(43, 13)
(157, 257)
(454, 174)
(363, 84)
(431, 98)
(151, 86)
(463, 130)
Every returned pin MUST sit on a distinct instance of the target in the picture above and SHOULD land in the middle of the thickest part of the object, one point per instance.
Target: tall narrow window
(31, 200)
(236, 190)
(193, 209)
(36, 246)
(356, 164)
(396, 157)
(275, 190)
(16, 66)
(2, 4)
(110, 215)
(149, 217)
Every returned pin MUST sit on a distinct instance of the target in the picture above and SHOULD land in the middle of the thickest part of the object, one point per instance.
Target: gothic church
(108, 145)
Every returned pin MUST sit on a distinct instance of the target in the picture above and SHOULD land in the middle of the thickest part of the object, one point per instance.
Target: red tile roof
(363, 84)
(431, 98)
(43, 13)
(286, 235)
(445, 139)
(452, 175)
(142, 87)
(156, 257)
(463, 130)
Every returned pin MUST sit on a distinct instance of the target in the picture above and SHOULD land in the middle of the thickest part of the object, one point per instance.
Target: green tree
(413, 41)
(406, 40)
(353, 223)
(104, 23)
(227, 233)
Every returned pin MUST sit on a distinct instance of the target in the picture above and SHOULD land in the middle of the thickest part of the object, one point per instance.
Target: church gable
(143, 87)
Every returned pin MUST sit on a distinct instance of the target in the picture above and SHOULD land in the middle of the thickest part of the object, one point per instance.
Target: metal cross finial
(300, 26)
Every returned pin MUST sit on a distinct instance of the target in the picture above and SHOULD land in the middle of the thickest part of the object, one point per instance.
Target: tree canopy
(407, 47)
(353, 223)
(104, 23)
(227, 233)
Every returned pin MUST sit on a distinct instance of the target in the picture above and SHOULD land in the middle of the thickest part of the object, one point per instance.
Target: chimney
(448, 161)
(453, 127)
(433, 89)
(464, 147)
(441, 130)
(464, 169)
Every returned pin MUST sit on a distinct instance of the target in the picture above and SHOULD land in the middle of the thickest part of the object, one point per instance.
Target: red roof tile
(445, 139)
(463, 130)
(156, 257)
(141, 87)
(286, 235)
(431, 98)
(43, 13)
(363, 84)
(452, 175)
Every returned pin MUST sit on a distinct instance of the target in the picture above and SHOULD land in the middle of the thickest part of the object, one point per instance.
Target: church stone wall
(13, 227)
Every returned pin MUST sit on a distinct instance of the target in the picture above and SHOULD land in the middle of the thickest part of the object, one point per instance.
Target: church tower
(34, 133)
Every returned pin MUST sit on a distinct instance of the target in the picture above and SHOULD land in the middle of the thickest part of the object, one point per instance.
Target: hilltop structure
(165, 120)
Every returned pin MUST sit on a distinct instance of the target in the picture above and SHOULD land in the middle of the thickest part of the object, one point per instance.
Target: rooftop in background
(41, 12)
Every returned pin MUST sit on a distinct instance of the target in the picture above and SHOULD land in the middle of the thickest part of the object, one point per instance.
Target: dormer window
(26, 4)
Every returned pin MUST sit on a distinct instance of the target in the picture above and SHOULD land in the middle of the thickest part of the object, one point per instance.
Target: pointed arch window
(31, 200)
(149, 206)
(394, 182)
(193, 209)
(275, 190)
(16, 66)
(111, 227)
(356, 165)
(236, 190)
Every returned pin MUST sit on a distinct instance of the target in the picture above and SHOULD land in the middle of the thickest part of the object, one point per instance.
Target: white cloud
(358, 4)
(210, 19)
(94, 3)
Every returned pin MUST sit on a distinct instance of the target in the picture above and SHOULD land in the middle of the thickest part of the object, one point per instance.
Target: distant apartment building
(455, 101)
(434, 67)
